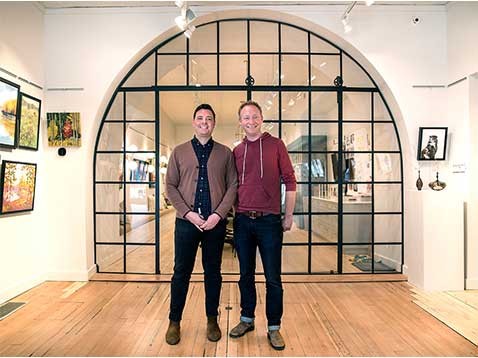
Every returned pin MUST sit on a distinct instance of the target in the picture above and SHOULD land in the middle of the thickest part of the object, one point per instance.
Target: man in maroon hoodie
(262, 162)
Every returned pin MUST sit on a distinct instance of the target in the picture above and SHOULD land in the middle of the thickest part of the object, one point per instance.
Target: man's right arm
(173, 178)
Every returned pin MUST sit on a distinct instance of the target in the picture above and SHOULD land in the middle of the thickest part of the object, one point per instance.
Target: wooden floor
(130, 319)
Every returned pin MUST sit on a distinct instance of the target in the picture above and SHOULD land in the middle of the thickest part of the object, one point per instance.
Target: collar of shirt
(198, 143)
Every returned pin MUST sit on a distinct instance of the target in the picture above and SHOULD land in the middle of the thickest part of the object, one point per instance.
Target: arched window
(340, 134)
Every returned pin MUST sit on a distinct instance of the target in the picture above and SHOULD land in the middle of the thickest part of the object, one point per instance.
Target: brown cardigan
(182, 174)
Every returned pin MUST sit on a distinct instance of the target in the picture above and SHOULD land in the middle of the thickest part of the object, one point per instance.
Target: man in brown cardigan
(201, 183)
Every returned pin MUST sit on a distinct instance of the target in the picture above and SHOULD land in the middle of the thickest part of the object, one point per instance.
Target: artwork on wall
(29, 123)
(64, 129)
(432, 143)
(17, 191)
(9, 93)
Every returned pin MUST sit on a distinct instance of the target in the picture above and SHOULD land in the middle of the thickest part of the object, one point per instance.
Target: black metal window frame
(249, 89)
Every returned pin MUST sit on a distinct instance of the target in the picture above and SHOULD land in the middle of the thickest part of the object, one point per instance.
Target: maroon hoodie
(260, 166)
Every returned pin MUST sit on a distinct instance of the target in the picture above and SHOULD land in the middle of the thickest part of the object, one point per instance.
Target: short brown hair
(249, 103)
(207, 107)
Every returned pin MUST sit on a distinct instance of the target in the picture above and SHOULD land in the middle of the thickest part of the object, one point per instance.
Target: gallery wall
(23, 239)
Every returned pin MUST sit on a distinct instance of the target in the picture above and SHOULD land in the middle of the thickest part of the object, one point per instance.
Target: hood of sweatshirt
(264, 137)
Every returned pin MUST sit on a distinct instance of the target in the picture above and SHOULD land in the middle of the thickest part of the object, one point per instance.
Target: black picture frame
(23, 135)
(432, 143)
(4, 189)
(9, 92)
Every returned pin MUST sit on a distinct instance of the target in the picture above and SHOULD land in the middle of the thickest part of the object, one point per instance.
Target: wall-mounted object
(9, 93)
(432, 143)
(17, 190)
(437, 185)
(29, 122)
(419, 182)
(64, 129)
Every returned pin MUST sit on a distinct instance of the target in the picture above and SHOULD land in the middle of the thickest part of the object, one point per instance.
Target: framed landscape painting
(29, 123)
(9, 92)
(17, 189)
(64, 129)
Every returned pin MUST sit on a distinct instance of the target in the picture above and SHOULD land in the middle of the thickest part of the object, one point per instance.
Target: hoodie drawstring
(244, 164)
(244, 161)
(262, 167)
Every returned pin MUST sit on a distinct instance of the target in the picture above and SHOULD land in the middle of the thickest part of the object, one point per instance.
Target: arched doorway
(339, 131)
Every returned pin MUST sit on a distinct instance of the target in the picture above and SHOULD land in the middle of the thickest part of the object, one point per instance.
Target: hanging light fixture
(184, 20)
(346, 17)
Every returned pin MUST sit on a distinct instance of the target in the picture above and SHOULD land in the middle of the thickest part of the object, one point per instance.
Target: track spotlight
(184, 20)
(189, 31)
(346, 17)
(369, 2)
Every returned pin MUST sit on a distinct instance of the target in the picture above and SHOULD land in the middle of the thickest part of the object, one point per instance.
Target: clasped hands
(202, 224)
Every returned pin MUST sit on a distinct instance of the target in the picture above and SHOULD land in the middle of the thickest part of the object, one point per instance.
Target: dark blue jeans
(265, 233)
(186, 241)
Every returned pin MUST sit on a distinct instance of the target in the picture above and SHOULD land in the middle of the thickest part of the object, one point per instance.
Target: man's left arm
(288, 178)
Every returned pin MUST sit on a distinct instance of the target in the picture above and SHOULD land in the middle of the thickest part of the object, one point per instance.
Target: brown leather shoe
(173, 334)
(276, 340)
(241, 329)
(213, 330)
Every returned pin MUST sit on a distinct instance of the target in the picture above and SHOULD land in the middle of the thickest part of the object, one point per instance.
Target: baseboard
(19, 288)
(91, 271)
(69, 275)
(471, 283)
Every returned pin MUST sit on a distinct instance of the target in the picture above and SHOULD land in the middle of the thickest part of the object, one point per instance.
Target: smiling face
(251, 120)
(203, 123)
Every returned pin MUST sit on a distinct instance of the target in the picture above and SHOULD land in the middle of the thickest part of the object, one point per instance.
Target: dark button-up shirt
(202, 200)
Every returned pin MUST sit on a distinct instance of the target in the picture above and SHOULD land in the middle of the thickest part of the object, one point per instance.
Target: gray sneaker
(241, 329)
(276, 340)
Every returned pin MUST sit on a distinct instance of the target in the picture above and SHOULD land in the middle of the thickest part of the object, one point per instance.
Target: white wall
(462, 33)
(23, 241)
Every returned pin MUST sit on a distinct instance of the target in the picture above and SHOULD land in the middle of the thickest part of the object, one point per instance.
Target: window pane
(109, 228)
(264, 36)
(178, 44)
(385, 137)
(357, 106)
(233, 36)
(141, 136)
(295, 106)
(265, 69)
(115, 112)
(139, 166)
(143, 76)
(387, 167)
(318, 167)
(109, 167)
(295, 70)
(356, 258)
(319, 45)
(110, 258)
(388, 228)
(357, 167)
(324, 259)
(109, 198)
(111, 137)
(272, 128)
(380, 112)
(324, 227)
(140, 259)
(300, 164)
(301, 199)
(324, 70)
(387, 258)
(388, 197)
(293, 40)
(295, 259)
(140, 228)
(296, 136)
(140, 106)
(357, 229)
(238, 75)
(172, 70)
(203, 70)
(331, 170)
(139, 199)
(299, 231)
(269, 102)
(324, 198)
(204, 39)
(324, 136)
(325, 106)
(357, 137)
(353, 75)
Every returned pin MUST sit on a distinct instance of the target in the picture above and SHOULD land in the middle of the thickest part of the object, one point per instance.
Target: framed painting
(432, 143)
(29, 122)
(64, 129)
(9, 93)
(17, 189)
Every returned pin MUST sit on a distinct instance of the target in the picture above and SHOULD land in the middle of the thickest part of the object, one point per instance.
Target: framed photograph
(29, 122)
(17, 189)
(64, 129)
(432, 143)
(9, 93)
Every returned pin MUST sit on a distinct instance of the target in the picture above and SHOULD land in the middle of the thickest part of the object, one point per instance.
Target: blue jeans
(266, 233)
(186, 241)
